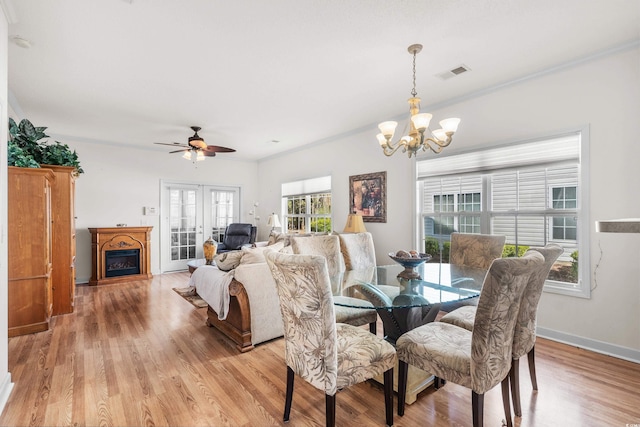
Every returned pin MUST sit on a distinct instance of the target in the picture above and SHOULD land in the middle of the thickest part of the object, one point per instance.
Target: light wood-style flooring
(137, 354)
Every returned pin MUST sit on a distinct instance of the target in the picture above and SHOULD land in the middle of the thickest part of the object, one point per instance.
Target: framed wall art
(368, 196)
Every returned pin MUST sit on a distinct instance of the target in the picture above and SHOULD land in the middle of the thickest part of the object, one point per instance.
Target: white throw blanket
(213, 286)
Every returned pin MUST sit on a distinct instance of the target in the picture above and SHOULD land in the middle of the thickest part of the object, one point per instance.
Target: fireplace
(122, 263)
(120, 254)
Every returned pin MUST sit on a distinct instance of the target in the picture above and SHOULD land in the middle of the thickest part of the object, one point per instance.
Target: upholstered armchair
(478, 359)
(524, 337)
(328, 246)
(328, 355)
(236, 236)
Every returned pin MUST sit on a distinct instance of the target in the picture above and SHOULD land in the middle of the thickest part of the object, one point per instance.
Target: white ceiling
(135, 72)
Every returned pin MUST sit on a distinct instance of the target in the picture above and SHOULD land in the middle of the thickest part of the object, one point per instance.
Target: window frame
(306, 189)
(581, 289)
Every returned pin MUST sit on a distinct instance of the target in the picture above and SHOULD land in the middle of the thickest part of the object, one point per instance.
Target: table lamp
(273, 221)
(354, 224)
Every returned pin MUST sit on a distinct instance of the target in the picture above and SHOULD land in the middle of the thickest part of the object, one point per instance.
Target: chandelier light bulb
(421, 121)
(388, 128)
(450, 125)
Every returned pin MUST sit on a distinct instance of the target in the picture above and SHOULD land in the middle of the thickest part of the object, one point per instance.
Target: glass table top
(438, 283)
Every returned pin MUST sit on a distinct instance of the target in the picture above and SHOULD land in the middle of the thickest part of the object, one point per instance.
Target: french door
(190, 214)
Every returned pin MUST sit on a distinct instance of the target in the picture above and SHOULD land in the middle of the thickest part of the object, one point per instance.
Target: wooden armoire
(63, 279)
(41, 246)
(29, 240)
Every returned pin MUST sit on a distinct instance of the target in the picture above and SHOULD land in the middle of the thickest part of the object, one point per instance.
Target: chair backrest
(475, 250)
(525, 334)
(238, 234)
(308, 315)
(496, 314)
(327, 246)
(358, 250)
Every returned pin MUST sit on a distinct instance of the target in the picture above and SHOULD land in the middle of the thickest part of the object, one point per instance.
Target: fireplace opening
(122, 262)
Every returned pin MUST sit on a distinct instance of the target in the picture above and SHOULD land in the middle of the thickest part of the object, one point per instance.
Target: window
(532, 193)
(307, 205)
(563, 227)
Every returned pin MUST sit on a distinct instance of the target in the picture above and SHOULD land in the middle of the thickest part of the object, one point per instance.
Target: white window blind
(530, 153)
(307, 186)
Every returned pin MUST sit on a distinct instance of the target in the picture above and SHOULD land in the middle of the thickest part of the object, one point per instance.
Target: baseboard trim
(5, 391)
(618, 351)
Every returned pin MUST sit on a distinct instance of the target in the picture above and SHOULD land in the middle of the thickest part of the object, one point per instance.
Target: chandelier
(419, 124)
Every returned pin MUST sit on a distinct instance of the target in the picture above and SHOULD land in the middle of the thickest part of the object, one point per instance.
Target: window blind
(531, 153)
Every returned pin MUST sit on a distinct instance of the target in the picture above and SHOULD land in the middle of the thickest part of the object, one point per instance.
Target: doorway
(190, 214)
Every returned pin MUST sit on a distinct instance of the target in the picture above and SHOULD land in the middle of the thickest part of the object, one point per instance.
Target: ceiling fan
(197, 149)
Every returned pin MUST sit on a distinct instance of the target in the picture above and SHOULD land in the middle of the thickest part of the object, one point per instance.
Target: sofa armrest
(266, 318)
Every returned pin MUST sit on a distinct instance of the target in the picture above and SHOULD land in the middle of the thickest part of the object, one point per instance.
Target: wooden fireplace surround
(119, 238)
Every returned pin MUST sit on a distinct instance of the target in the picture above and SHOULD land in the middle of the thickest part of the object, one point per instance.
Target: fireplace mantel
(115, 239)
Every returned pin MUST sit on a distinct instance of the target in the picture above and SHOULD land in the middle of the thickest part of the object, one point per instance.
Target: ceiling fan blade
(180, 151)
(209, 153)
(218, 149)
(171, 144)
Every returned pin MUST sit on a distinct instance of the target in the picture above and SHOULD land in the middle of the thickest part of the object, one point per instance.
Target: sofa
(253, 314)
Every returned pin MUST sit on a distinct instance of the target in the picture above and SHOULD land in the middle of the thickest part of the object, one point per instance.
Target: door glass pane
(222, 212)
(182, 220)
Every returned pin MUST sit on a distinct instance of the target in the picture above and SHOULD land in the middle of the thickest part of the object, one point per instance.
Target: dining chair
(478, 359)
(525, 334)
(330, 356)
(358, 250)
(475, 250)
(328, 246)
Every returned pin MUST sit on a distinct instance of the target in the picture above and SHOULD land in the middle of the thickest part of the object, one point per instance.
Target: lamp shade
(273, 221)
(354, 224)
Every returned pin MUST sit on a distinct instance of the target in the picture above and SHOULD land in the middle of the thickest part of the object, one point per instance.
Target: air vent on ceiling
(453, 72)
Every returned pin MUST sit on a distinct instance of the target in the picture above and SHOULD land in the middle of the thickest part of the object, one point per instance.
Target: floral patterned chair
(475, 250)
(478, 359)
(358, 250)
(329, 355)
(524, 338)
(328, 246)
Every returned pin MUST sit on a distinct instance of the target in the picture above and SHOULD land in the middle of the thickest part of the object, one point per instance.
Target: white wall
(602, 94)
(119, 181)
(5, 375)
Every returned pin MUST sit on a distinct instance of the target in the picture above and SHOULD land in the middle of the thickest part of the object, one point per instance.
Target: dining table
(406, 303)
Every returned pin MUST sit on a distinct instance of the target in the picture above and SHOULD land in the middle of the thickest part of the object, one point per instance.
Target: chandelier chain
(413, 91)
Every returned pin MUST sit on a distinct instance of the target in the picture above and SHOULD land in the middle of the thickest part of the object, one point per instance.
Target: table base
(417, 380)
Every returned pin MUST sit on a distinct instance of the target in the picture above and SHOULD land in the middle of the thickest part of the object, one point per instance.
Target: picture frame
(368, 196)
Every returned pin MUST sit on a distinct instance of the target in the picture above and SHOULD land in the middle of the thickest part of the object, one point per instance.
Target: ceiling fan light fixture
(200, 156)
(187, 155)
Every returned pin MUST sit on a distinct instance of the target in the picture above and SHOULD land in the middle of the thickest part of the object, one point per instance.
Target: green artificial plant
(28, 151)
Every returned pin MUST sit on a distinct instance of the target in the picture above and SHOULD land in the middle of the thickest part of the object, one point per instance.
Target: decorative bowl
(409, 264)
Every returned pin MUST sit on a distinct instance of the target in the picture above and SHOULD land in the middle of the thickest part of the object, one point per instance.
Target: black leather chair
(236, 236)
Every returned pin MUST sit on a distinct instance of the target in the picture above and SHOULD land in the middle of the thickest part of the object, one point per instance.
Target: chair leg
(505, 401)
(532, 367)
(289, 394)
(514, 377)
(373, 328)
(477, 408)
(438, 382)
(388, 396)
(330, 402)
(402, 385)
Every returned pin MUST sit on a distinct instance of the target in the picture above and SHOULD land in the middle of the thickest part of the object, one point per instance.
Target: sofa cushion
(256, 254)
(228, 260)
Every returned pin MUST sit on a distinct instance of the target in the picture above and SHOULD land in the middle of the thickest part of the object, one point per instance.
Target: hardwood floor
(137, 354)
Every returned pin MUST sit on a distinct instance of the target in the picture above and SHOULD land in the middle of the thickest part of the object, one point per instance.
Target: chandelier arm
(439, 144)
(389, 149)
